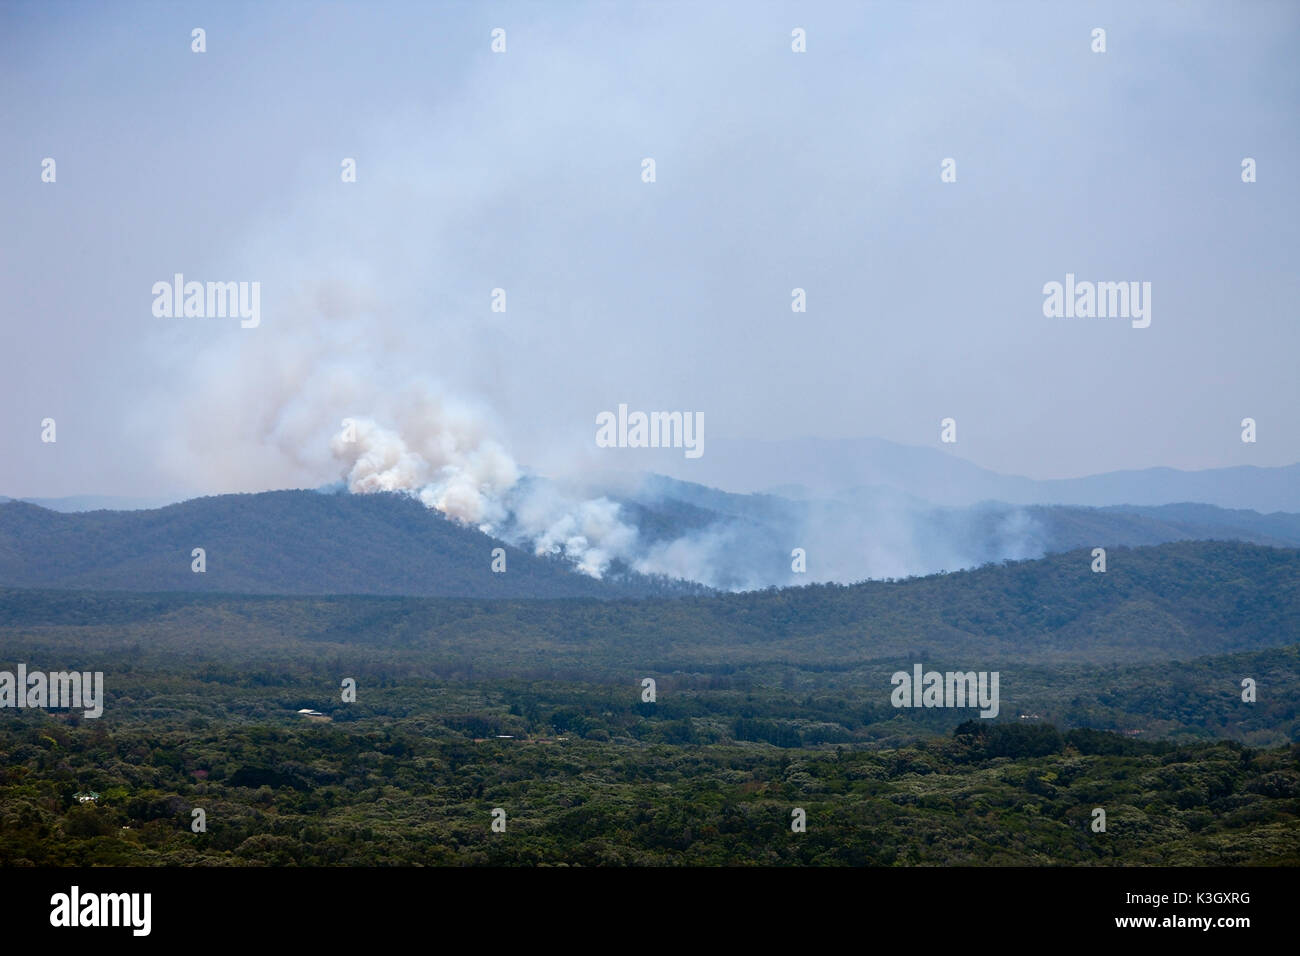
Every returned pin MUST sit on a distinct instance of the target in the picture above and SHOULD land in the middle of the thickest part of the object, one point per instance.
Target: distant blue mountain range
(818, 467)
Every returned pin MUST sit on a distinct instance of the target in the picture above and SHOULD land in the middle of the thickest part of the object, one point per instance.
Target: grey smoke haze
(522, 171)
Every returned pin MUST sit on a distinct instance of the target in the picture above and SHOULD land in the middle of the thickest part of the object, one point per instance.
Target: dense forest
(412, 791)
(1119, 691)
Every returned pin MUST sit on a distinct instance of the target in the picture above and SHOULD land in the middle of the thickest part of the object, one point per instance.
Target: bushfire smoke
(445, 458)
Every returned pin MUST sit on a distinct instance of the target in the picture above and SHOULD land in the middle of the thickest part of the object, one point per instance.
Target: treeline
(1173, 602)
(391, 792)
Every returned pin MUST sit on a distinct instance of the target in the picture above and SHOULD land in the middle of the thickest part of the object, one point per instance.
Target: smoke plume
(444, 456)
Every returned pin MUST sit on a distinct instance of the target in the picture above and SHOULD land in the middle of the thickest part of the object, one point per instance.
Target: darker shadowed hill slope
(284, 542)
(1170, 602)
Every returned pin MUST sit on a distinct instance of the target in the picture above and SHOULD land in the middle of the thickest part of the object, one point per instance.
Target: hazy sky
(522, 170)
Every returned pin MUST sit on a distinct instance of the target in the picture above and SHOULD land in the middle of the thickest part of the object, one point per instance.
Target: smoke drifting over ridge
(461, 479)
(444, 458)
(400, 342)
(334, 387)
(328, 392)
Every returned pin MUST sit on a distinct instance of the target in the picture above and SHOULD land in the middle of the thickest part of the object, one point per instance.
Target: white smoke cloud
(444, 460)
(589, 532)
(444, 455)
(716, 557)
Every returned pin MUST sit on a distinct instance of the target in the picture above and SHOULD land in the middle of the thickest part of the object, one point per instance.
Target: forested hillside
(305, 542)
(1180, 600)
(286, 542)
(1120, 690)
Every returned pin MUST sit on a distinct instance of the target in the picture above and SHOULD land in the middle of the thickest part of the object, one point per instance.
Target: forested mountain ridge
(286, 542)
(1177, 600)
(305, 542)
